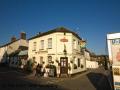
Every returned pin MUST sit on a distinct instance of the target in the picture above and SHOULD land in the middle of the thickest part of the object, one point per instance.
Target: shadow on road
(99, 81)
(16, 81)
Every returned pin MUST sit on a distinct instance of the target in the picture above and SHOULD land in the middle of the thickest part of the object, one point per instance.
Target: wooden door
(64, 65)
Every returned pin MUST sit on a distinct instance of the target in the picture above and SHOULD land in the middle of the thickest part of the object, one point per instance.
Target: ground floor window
(78, 62)
(41, 59)
(49, 59)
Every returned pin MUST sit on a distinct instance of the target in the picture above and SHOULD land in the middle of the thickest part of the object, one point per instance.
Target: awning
(21, 53)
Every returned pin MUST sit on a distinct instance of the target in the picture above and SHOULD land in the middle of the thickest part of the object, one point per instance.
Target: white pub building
(59, 47)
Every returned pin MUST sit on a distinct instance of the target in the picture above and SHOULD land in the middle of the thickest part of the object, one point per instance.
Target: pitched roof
(59, 29)
(15, 53)
(9, 43)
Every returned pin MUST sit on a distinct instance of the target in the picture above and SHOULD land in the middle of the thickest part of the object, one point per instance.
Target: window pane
(49, 59)
(74, 44)
(42, 44)
(34, 46)
(41, 60)
(50, 43)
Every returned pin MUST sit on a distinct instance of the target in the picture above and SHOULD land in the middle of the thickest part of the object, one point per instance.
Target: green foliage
(69, 67)
(75, 66)
(50, 66)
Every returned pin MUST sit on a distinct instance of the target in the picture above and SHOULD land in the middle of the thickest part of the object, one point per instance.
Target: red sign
(64, 40)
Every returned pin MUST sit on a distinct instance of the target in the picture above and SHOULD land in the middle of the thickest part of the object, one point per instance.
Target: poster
(115, 48)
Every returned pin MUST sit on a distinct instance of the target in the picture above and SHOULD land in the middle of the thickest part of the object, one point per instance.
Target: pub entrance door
(63, 65)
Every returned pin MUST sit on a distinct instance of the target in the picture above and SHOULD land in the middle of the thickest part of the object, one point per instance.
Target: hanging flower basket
(43, 62)
(57, 61)
(52, 62)
(71, 61)
(75, 66)
(58, 64)
(47, 66)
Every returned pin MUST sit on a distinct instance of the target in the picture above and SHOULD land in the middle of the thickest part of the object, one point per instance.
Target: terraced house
(9, 52)
(59, 47)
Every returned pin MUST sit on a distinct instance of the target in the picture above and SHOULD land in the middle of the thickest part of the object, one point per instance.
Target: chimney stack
(23, 35)
(13, 39)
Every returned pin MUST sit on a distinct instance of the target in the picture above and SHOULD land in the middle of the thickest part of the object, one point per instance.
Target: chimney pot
(13, 39)
(23, 35)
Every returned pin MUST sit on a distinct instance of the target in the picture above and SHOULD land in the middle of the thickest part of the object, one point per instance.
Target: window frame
(74, 44)
(42, 44)
(34, 46)
(41, 59)
(49, 59)
(49, 43)
(78, 62)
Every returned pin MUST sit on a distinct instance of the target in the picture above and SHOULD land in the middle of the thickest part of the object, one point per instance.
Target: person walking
(37, 70)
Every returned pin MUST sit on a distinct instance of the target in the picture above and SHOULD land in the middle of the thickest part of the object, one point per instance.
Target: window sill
(41, 49)
(49, 48)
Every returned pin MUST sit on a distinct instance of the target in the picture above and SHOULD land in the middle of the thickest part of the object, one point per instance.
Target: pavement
(96, 79)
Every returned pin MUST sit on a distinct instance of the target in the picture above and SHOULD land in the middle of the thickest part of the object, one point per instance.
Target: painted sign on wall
(64, 40)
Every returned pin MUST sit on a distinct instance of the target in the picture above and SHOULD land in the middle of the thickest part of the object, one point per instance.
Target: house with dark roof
(9, 51)
(59, 47)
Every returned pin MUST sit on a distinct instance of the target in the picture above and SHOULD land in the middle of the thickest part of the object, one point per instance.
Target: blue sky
(91, 19)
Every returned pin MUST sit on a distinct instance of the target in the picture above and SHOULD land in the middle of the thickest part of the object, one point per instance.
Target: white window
(74, 44)
(42, 44)
(41, 60)
(34, 46)
(50, 43)
(49, 59)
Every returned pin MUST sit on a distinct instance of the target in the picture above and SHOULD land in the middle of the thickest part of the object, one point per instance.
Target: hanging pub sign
(82, 43)
(64, 40)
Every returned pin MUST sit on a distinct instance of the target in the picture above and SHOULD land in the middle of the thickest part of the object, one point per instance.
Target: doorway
(63, 65)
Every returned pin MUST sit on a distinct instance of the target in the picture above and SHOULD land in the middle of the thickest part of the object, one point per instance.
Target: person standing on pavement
(37, 70)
